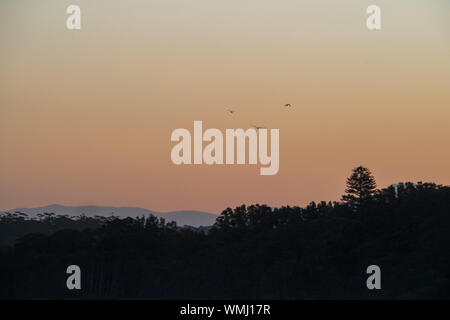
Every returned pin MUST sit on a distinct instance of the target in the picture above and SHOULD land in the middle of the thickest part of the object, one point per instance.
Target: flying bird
(287, 105)
(230, 111)
(257, 128)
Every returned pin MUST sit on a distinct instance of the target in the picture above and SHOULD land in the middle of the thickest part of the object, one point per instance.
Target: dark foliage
(254, 252)
(361, 187)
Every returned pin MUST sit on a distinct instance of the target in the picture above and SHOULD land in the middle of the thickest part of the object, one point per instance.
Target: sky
(86, 115)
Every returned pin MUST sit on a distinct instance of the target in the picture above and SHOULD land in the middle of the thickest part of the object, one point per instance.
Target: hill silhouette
(252, 252)
(182, 217)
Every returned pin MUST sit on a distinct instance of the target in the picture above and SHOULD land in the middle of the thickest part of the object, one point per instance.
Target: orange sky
(86, 116)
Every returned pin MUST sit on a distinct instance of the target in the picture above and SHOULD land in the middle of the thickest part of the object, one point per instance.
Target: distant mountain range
(190, 218)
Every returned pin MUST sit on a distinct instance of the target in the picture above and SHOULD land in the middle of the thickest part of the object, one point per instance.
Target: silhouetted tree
(361, 186)
(319, 251)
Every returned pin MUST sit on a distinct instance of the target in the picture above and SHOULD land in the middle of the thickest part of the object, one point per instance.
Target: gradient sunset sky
(86, 116)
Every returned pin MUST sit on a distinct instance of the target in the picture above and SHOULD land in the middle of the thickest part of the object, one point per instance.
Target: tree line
(320, 251)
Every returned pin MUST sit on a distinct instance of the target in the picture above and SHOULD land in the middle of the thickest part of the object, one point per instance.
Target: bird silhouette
(287, 105)
(230, 111)
(257, 127)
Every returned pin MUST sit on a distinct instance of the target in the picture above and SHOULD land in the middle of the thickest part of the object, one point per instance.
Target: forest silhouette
(320, 251)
